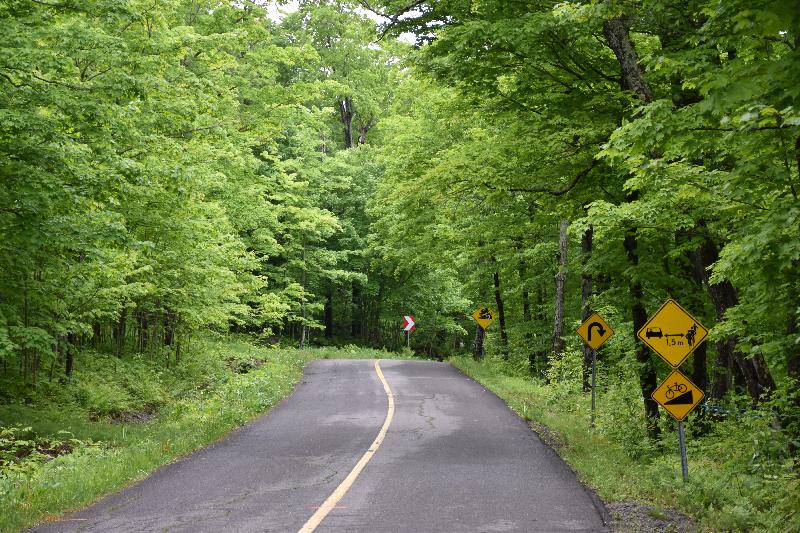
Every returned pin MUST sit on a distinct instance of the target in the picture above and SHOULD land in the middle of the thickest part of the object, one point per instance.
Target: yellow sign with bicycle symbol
(673, 333)
(678, 395)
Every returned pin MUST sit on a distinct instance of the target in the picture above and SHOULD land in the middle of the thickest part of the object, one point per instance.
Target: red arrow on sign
(409, 323)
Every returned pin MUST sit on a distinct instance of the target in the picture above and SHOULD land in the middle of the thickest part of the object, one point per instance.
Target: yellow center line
(329, 504)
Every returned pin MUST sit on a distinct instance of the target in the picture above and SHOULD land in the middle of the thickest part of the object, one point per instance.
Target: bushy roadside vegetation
(117, 420)
(740, 474)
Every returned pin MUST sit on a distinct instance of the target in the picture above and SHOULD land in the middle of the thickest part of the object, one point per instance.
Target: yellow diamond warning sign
(678, 395)
(484, 316)
(673, 333)
(594, 331)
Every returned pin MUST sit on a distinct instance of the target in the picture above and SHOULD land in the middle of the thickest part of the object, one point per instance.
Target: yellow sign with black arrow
(673, 333)
(678, 395)
(484, 316)
(595, 331)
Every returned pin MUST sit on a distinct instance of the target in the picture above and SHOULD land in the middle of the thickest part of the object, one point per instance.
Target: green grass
(739, 479)
(182, 409)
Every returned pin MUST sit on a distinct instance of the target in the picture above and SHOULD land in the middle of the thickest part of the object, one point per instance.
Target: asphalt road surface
(454, 459)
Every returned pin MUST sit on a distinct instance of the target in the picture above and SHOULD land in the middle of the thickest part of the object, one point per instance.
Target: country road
(454, 458)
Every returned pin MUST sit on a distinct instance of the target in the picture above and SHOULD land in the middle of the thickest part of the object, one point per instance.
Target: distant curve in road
(454, 459)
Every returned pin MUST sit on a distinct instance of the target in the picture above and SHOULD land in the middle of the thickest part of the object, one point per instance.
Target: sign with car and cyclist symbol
(484, 316)
(594, 331)
(678, 395)
(673, 333)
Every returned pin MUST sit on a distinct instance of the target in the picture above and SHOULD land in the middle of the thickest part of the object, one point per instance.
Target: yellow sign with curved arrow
(595, 331)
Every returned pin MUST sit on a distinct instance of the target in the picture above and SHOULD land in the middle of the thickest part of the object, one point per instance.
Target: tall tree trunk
(586, 295)
(647, 369)
(97, 334)
(477, 346)
(527, 317)
(501, 313)
(303, 332)
(757, 376)
(561, 277)
(699, 360)
(143, 326)
(69, 353)
(169, 328)
(793, 355)
(378, 311)
(355, 323)
(617, 34)
(792, 417)
(120, 332)
(303, 281)
(541, 317)
(329, 311)
(364, 129)
(632, 78)
(346, 115)
(722, 374)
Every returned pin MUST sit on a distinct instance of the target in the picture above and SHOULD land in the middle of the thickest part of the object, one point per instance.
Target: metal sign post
(594, 383)
(682, 445)
(408, 339)
(602, 332)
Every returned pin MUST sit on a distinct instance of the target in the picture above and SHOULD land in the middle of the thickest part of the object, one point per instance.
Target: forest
(303, 174)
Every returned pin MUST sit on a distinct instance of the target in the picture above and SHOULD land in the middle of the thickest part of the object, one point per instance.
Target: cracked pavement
(455, 459)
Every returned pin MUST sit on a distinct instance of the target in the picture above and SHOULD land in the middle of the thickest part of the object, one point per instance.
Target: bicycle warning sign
(673, 333)
(678, 395)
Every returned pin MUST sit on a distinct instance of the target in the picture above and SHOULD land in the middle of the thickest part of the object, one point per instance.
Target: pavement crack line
(329, 504)
(421, 411)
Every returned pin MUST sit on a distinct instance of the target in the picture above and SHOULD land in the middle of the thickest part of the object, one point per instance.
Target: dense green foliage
(173, 166)
(665, 134)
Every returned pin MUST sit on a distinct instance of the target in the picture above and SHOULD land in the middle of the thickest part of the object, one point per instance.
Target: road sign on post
(484, 316)
(409, 325)
(594, 331)
(678, 395)
(672, 333)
